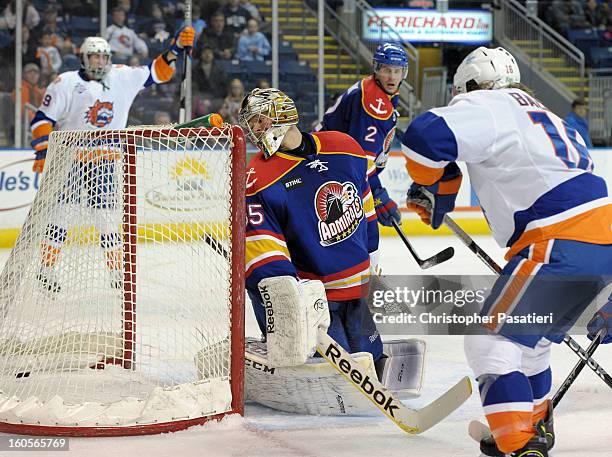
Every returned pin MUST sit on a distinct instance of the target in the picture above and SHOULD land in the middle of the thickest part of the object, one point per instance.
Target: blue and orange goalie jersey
(368, 114)
(312, 217)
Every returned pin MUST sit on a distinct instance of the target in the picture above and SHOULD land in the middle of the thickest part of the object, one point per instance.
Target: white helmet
(494, 66)
(274, 107)
(95, 45)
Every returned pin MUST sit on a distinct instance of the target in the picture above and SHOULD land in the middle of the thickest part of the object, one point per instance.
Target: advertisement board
(427, 26)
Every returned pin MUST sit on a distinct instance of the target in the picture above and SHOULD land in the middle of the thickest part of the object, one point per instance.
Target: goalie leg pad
(313, 388)
(402, 365)
(295, 311)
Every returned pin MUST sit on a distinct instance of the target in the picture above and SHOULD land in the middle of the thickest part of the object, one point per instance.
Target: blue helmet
(390, 54)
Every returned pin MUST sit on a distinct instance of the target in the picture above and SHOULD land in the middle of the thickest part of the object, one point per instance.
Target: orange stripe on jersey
(511, 429)
(163, 71)
(540, 412)
(332, 142)
(42, 129)
(422, 174)
(512, 291)
(593, 226)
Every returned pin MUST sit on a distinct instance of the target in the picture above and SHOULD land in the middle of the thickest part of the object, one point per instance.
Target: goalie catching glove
(294, 313)
(432, 202)
(183, 38)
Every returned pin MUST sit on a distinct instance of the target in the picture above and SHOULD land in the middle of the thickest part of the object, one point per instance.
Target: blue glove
(183, 38)
(432, 202)
(602, 318)
(386, 209)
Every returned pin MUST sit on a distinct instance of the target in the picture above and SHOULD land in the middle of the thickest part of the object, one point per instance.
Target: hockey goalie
(311, 216)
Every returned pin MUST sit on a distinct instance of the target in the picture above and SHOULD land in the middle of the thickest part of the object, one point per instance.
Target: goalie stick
(432, 261)
(478, 430)
(412, 421)
(482, 255)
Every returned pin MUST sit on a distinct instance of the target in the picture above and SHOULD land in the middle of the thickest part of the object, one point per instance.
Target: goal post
(122, 302)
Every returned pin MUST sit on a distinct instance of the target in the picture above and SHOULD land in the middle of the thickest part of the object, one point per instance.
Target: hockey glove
(602, 318)
(183, 38)
(386, 209)
(432, 202)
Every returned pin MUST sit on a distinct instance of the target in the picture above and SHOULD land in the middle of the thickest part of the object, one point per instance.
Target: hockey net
(122, 301)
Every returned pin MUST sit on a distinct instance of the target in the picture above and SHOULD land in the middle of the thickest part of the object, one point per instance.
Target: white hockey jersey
(76, 104)
(71, 102)
(531, 172)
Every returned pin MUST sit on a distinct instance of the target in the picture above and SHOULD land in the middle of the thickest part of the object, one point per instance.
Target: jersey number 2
(562, 149)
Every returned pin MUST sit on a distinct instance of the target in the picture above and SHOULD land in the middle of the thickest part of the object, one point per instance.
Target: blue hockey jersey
(368, 114)
(312, 217)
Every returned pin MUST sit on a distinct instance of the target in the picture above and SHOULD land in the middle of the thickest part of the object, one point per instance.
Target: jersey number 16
(562, 149)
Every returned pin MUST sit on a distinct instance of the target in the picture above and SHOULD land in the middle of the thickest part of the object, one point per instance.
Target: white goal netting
(121, 301)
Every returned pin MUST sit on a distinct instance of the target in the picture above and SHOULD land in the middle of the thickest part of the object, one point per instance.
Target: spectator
(161, 118)
(31, 16)
(567, 14)
(134, 61)
(236, 17)
(29, 48)
(129, 11)
(263, 84)
(577, 119)
(31, 92)
(254, 45)
(208, 77)
(231, 104)
(197, 22)
(596, 14)
(151, 27)
(48, 55)
(252, 9)
(122, 39)
(60, 36)
(220, 40)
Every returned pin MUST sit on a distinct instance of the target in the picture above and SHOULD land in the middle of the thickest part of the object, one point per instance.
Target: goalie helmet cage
(122, 301)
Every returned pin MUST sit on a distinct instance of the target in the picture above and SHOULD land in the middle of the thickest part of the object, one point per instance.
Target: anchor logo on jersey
(377, 109)
(339, 209)
(100, 114)
(249, 182)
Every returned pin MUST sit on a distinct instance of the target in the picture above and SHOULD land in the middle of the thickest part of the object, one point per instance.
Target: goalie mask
(266, 115)
(95, 68)
(488, 68)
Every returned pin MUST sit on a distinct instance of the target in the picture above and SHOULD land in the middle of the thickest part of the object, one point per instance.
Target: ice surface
(582, 420)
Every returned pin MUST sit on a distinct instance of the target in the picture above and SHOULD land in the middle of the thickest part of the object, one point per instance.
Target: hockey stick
(412, 421)
(432, 261)
(586, 359)
(183, 94)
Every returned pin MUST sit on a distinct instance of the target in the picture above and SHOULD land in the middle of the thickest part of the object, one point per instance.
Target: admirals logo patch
(339, 210)
(100, 114)
(381, 160)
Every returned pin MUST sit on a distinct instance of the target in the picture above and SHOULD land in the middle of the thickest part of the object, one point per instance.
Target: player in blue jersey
(310, 216)
(367, 112)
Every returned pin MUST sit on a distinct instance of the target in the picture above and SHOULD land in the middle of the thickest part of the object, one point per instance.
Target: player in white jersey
(534, 179)
(98, 96)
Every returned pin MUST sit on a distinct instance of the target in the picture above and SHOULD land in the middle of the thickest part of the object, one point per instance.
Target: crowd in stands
(138, 30)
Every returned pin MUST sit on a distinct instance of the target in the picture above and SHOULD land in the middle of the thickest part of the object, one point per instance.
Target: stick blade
(444, 405)
(437, 259)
